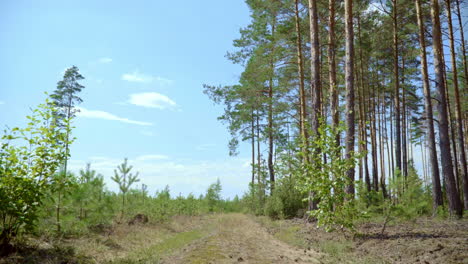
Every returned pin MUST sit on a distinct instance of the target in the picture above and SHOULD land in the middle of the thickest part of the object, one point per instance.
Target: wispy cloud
(108, 116)
(1, 102)
(105, 60)
(136, 76)
(152, 100)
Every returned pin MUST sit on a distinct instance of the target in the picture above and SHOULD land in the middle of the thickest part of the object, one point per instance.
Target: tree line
(352, 91)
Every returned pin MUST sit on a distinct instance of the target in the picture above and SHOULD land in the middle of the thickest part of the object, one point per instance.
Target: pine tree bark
(451, 128)
(397, 87)
(375, 173)
(316, 112)
(253, 146)
(349, 83)
(404, 139)
(302, 94)
(431, 145)
(332, 68)
(458, 114)
(271, 169)
(463, 47)
(315, 67)
(362, 116)
(381, 147)
(444, 141)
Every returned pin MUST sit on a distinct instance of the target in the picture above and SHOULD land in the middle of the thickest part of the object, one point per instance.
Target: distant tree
(90, 187)
(65, 98)
(124, 179)
(213, 195)
(61, 185)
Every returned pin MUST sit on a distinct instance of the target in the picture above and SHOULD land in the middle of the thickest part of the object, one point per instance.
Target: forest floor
(239, 238)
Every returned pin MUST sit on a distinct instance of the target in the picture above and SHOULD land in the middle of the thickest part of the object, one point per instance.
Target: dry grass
(424, 240)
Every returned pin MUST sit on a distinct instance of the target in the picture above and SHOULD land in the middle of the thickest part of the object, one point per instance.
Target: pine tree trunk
(397, 88)
(349, 83)
(444, 141)
(375, 176)
(315, 82)
(302, 95)
(315, 67)
(463, 47)
(271, 170)
(253, 146)
(458, 114)
(332, 68)
(404, 141)
(381, 149)
(451, 128)
(431, 145)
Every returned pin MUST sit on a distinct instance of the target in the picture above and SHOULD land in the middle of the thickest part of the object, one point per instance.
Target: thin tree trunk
(362, 111)
(315, 67)
(253, 147)
(315, 75)
(259, 161)
(375, 173)
(382, 151)
(404, 141)
(271, 169)
(463, 47)
(451, 128)
(57, 216)
(332, 68)
(431, 145)
(349, 83)
(397, 87)
(458, 114)
(302, 94)
(444, 141)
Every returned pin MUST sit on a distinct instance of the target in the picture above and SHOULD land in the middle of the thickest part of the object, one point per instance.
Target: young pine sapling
(124, 179)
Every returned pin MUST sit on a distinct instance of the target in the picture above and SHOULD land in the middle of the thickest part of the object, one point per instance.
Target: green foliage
(124, 179)
(274, 207)
(287, 201)
(213, 196)
(64, 97)
(28, 158)
(327, 181)
(90, 188)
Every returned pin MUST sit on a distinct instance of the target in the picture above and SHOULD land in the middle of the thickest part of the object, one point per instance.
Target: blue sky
(144, 64)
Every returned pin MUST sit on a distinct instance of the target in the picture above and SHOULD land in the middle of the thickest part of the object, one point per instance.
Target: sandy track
(235, 238)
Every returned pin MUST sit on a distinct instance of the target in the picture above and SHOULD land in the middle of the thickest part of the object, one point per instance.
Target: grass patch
(206, 255)
(152, 254)
(290, 236)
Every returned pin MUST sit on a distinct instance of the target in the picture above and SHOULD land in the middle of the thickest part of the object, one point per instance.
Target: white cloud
(152, 100)
(105, 60)
(152, 157)
(1, 102)
(108, 116)
(136, 76)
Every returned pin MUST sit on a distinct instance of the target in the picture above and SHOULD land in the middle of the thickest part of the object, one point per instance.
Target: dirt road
(236, 238)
